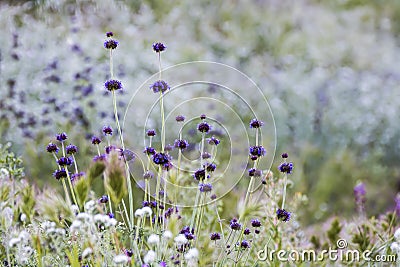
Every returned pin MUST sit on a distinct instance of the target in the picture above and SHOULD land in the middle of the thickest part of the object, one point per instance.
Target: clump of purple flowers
(235, 225)
(181, 144)
(283, 215)
(107, 130)
(113, 85)
(204, 127)
(254, 123)
(286, 167)
(205, 187)
(159, 47)
(62, 173)
(257, 151)
(71, 149)
(52, 148)
(61, 137)
(159, 86)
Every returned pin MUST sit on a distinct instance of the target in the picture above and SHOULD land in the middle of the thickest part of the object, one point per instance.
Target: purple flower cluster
(159, 47)
(283, 215)
(205, 187)
(163, 160)
(235, 225)
(181, 144)
(254, 123)
(52, 148)
(113, 85)
(203, 127)
(257, 151)
(286, 167)
(159, 86)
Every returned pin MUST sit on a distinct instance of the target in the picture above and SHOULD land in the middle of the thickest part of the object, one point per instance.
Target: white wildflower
(153, 239)
(192, 254)
(139, 213)
(75, 226)
(121, 259)
(90, 205)
(100, 218)
(74, 209)
(167, 235)
(395, 247)
(22, 218)
(397, 234)
(147, 211)
(24, 236)
(150, 257)
(13, 242)
(87, 252)
(84, 217)
(180, 239)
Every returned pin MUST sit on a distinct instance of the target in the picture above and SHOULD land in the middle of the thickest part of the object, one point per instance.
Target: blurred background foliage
(328, 69)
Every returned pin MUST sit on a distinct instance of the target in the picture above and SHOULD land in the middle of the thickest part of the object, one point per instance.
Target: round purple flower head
(203, 116)
(235, 225)
(246, 231)
(107, 130)
(255, 223)
(76, 176)
(283, 215)
(204, 127)
(286, 167)
(206, 155)
(180, 118)
(205, 187)
(285, 155)
(159, 86)
(149, 151)
(151, 132)
(71, 149)
(64, 161)
(213, 141)
(103, 199)
(257, 151)
(245, 244)
(61, 137)
(215, 236)
(52, 148)
(254, 123)
(200, 175)
(160, 158)
(113, 85)
(111, 44)
(210, 167)
(159, 47)
(109, 34)
(95, 140)
(58, 174)
(181, 144)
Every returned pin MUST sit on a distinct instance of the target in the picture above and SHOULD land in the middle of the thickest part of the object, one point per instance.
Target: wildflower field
(199, 133)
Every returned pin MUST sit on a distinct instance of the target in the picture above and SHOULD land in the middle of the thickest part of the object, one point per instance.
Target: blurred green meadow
(329, 70)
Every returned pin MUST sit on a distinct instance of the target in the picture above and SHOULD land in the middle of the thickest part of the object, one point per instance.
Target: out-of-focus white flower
(397, 234)
(147, 211)
(153, 239)
(74, 209)
(22, 217)
(75, 226)
(87, 252)
(121, 259)
(167, 235)
(8, 215)
(150, 257)
(90, 205)
(395, 247)
(84, 217)
(13, 242)
(180, 239)
(24, 236)
(139, 213)
(192, 254)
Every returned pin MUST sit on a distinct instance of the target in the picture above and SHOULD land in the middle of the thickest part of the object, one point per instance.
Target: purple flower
(255, 223)
(107, 130)
(99, 158)
(285, 155)
(149, 151)
(111, 44)
(203, 116)
(151, 132)
(254, 172)
(203, 127)
(148, 175)
(159, 86)
(286, 167)
(211, 167)
(103, 199)
(111, 215)
(71, 149)
(254, 123)
(235, 225)
(215, 236)
(76, 176)
(110, 148)
(257, 151)
(200, 174)
(206, 155)
(58, 174)
(359, 195)
(61, 137)
(52, 148)
(213, 141)
(161, 159)
(245, 244)
(246, 231)
(64, 161)
(159, 47)
(213, 196)
(113, 85)
(109, 34)
(180, 118)
(95, 140)
(205, 187)
(181, 144)
(283, 215)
